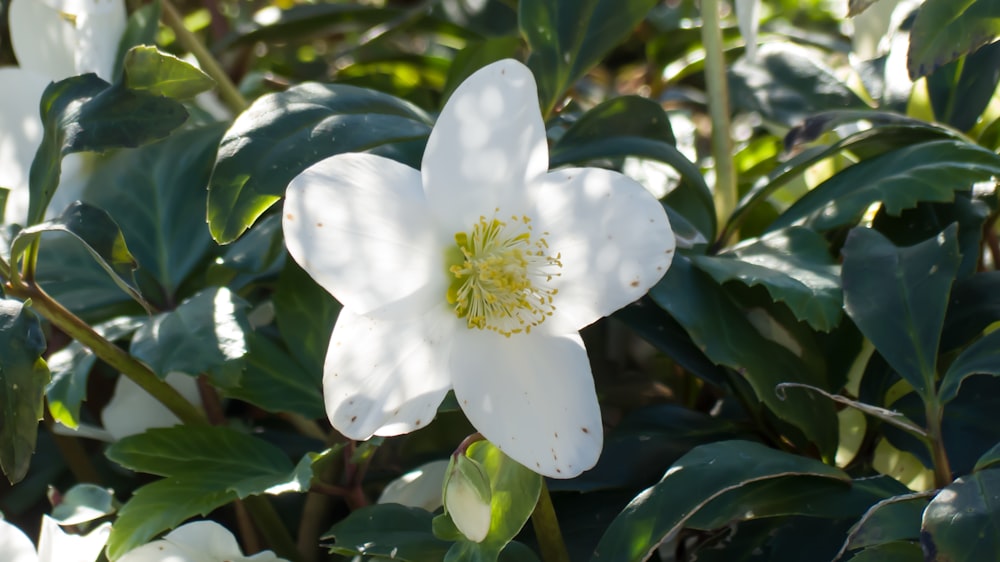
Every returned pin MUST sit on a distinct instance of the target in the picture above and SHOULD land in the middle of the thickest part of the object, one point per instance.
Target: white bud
(467, 497)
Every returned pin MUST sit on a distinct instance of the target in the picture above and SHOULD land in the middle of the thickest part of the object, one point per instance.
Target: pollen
(501, 275)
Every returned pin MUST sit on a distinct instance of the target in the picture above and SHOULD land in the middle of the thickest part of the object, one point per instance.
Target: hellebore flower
(52, 39)
(475, 273)
(199, 541)
(54, 545)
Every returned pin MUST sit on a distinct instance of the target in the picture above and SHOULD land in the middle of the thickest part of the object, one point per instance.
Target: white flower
(132, 410)
(199, 541)
(53, 544)
(52, 39)
(475, 273)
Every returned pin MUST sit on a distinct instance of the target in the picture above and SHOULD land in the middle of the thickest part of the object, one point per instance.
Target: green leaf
(204, 468)
(22, 385)
(989, 459)
(890, 520)
(146, 69)
(206, 333)
(705, 473)
(390, 531)
(282, 134)
(71, 367)
(795, 267)
(962, 523)
(141, 29)
(855, 7)
(980, 358)
(83, 503)
(721, 329)
(85, 113)
(930, 171)
(786, 83)
(898, 296)
(961, 90)
(891, 552)
(944, 30)
(568, 38)
(156, 194)
(277, 382)
(305, 314)
(99, 234)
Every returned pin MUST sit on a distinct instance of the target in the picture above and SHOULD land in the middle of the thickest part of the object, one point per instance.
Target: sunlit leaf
(947, 29)
(146, 69)
(960, 523)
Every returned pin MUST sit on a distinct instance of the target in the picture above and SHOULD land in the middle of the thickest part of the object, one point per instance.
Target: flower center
(502, 273)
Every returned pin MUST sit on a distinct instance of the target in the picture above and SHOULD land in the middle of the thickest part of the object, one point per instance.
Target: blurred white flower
(52, 39)
(54, 545)
(132, 410)
(475, 273)
(199, 541)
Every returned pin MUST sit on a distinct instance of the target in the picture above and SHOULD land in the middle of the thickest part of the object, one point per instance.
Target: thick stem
(109, 352)
(942, 468)
(227, 90)
(543, 519)
(718, 109)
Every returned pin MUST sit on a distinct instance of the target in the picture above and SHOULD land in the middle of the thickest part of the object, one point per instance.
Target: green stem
(108, 352)
(718, 109)
(543, 519)
(942, 468)
(227, 90)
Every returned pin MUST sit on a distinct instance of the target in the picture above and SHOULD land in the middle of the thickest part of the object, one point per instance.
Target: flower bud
(467, 497)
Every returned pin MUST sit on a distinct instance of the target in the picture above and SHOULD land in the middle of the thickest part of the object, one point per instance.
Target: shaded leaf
(305, 314)
(276, 381)
(705, 473)
(23, 376)
(795, 267)
(961, 90)
(930, 171)
(282, 134)
(891, 552)
(141, 29)
(962, 523)
(890, 520)
(204, 468)
(388, 530)
(897, 297)
(980, 358)
(476, 55)
(989, 459)
(947, 29)
(207, 333)
(855, 7)
(568, 38)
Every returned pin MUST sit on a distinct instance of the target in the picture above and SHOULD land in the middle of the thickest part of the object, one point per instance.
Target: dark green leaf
(304, 20)
(71, 367)
(944, 30)
(786, 83)
(722, 330)
(795, 267)
(305, 314)
(930, 171)
(277, 382)
(974, 305)
(207, 333)
(989, 459)
(141, 29)
(961, 90)
(897, 297)
(204, 468)
(489, 18)
(282, 134)
(568, 38)
(707, 472)
(99, 234)
(890, 520)
(388, 530)
(980, 358)
(626, 116)
(85, 113)
(962, 523)
(146, 69)
(891, 552)
(156, 193)
(855, 7)
(23, 376)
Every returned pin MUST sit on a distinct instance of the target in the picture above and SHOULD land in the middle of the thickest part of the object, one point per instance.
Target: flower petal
(20, 135)
(487, 143)
(613, 238)
(532, 396)
(56, 545)
(385, 376)
(43, 38)
(360, 226)
(132, 410)
(99, 29)
(15, 545)
(420, 487)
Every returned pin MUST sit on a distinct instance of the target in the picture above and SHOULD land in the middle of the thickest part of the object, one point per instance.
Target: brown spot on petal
(559, 471)
(556, 435)
(319, 225)
(417, 423)
(289, 216)
(634, 283)
(585, 430)
(354, 419)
